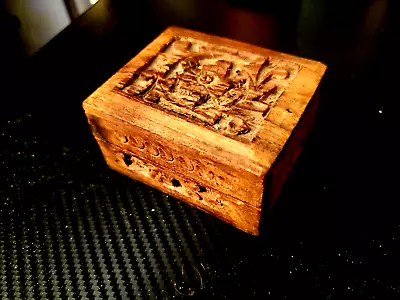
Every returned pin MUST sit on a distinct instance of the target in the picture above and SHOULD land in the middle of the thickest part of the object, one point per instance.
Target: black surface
(71, 228)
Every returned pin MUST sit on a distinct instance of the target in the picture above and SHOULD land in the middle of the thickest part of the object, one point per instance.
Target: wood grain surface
(209, 111)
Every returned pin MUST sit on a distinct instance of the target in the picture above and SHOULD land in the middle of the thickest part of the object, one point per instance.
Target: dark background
(72, 228)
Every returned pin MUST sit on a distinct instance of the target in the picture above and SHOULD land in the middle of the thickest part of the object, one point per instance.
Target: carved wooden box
(211, 121)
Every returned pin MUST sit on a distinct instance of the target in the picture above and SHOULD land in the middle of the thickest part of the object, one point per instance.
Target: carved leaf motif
(184, 163)
(237, 126)
(208, 116)
(280, 73)
(181, 46)
(231, 97)
(221, 68)
(206, 78)
(165, 154)
(136, 141)
(254, 105)
(141, 84)
(152, 149)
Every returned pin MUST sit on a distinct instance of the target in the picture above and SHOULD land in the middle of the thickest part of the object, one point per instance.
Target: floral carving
(225, 90)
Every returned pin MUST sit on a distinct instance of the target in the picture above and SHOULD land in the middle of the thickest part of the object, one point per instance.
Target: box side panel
(281, 169)
(283, 118)
(186, 161)
(226, 208)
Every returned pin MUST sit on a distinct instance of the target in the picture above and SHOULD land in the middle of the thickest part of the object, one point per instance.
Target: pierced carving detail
(186, 187)
(163, 155)
(226, 90)
(199, 167)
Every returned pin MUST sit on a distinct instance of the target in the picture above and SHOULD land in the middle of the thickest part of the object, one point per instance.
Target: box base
(224, 207)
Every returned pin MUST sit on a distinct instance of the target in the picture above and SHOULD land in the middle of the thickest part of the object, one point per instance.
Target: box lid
(237, 103)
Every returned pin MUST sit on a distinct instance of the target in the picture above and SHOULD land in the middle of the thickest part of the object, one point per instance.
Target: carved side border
(224, 207)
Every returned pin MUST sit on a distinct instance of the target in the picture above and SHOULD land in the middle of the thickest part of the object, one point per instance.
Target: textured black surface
(73, 229)
(70, 228)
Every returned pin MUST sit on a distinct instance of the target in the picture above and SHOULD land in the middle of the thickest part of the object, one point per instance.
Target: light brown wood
(206, 111)
(225, 207)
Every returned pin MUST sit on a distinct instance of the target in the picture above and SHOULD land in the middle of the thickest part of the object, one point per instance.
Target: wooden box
(214, 122)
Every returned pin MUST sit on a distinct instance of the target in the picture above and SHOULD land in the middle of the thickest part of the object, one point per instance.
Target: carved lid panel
(226, 90)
